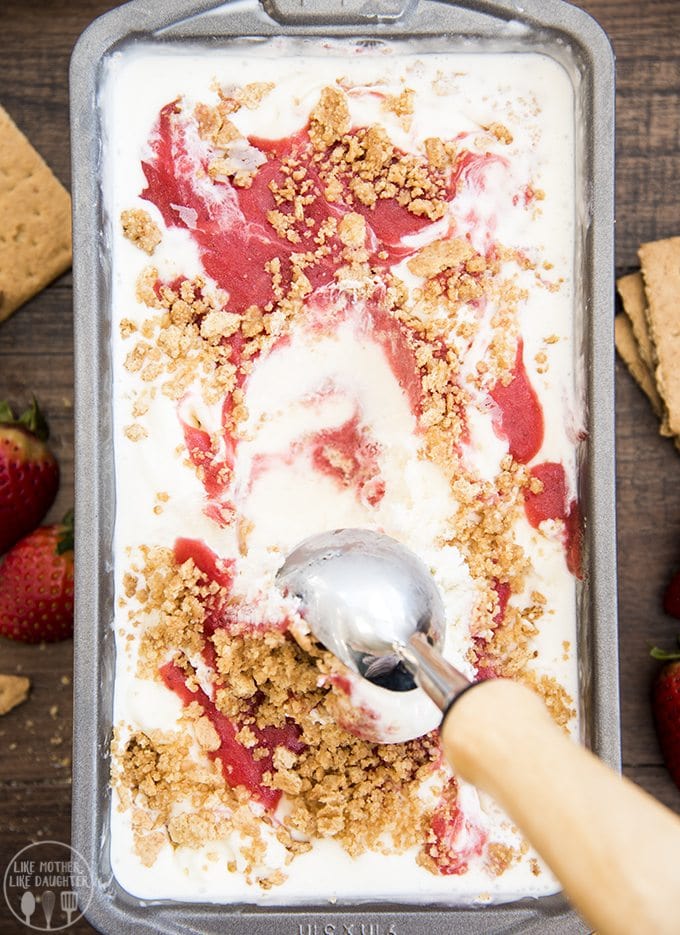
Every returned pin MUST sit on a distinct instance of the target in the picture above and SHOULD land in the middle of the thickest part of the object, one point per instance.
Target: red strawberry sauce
(471, 168)
(350, 456)
(503, 590)
(213, 567)
(553, 503)
(520, 420)
(520, 415)
(228, 223)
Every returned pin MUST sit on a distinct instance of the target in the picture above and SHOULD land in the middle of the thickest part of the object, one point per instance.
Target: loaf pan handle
(338, 12)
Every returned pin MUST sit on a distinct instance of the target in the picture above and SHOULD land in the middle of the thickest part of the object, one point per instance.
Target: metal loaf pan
(555, 28)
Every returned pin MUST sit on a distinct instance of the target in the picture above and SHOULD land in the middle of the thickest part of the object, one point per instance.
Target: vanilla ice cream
(342, 297)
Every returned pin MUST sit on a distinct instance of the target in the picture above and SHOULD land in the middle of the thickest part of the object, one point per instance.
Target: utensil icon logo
(69, 904)
(48, 906)
(47, 886)
(27, 906)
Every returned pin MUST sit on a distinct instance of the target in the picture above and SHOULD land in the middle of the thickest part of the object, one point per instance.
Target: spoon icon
(28, 906)
(48, 901)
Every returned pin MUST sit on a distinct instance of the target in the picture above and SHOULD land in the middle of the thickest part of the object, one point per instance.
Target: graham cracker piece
(35, 220)
(660, 261)
(632, 291)
(13, 690)
(629, 351)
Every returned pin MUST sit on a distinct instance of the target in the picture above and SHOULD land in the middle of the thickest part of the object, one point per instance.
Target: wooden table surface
(36, 38)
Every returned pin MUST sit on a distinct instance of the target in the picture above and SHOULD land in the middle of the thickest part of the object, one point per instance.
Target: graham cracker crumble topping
(362, 794)
(140, 228)
(558, 701)
(214, 125)
(236, 159)
(367, 163)
(261, 681)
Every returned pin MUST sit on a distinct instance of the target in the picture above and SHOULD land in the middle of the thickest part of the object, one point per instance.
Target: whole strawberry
(671, 598)
(36, 585)
(666, 707)
(29, 473)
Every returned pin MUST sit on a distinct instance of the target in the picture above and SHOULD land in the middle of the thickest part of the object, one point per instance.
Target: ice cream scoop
(374, 605)
(614, 848)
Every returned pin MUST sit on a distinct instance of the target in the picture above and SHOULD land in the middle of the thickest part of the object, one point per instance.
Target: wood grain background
(36, 38)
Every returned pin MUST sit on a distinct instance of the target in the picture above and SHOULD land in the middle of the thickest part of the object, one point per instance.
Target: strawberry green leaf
(35, 421)
(663, 655)
(65, 540)
(6, 414)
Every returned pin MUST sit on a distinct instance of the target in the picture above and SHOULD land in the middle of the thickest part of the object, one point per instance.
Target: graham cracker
(629, 351)
(13, 691)
(660, 261)
(35, 220)
(632, 291)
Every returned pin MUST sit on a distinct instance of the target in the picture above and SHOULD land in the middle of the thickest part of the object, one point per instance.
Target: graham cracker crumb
(215, 126)
(140, 229)
(329, 120)
(14, 691)
(352, 230)
(401, 105)
(439, 256)
(558, 701)
(251, 95)
(501, 132)
(206, 735)
(135, 432)
(499, 857)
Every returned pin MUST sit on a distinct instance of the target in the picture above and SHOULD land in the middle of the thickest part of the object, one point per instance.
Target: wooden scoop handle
(615, 849)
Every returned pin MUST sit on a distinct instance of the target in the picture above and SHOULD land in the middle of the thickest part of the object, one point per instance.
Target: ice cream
(341, 296)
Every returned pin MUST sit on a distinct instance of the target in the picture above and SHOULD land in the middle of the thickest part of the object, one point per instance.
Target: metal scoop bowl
(614, 848)
(374, 605)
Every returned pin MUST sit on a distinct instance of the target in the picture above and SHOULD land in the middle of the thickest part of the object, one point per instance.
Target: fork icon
(69, 904)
